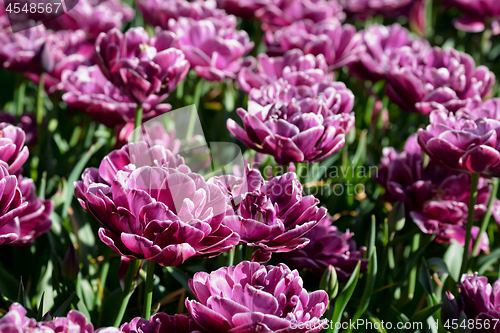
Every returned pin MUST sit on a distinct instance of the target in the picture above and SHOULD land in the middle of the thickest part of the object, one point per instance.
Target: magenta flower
(273, 216)
(294, 67)
(136, 196)
(161, 322)
(254, 298)
(139, 65)
(327, 246)
(27, 122)
(242, 8)
(338, 43)
(63, 50)
(466, 141)
(362, 9)
(13, 152)
(307, 130)
(94, 17)
(157, 13)
(31, 222)
(87, 90)
(282, 13)
(435, 75)
(479, 302)
(215, 52)
(478, 14)
(15, 320)
(437, 199)
(381, 43)
(20, 51)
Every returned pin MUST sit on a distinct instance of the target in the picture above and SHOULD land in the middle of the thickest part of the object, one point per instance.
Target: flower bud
(71, 265)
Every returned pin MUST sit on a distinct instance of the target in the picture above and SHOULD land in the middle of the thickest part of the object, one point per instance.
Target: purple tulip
(16, 321)
(253, 298)
(242, 8)
(33, 221)
(11, 203)
(88, 90)
(161, 322)
(327, 246)
(273, 216)
(13, 152)
(63, 50)
(479, 302)
(477, 13)
(308, 130)
(136, 196)
(294, 67)
(94, 17)
(20, 51)
(435, 75)
(157, 13)
(381, 43)
(139, 65)
(466, 141)
(437, 199)
(215, 52)
(27, 123)
(338, 43)
(282, 13)
(362, 9)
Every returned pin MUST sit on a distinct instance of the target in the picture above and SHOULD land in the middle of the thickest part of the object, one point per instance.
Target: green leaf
(329, 283)
(370, 284)
(8, 284)
(344, 297)
(75, 174)
(422, 316)
(373, 237)
(438, 265)
(425, 280)
(180, 276)
(61, 310)
(396, 218)
(87, 293)
(418, 254)
(453, 259)
(39, 312)
(485, 261)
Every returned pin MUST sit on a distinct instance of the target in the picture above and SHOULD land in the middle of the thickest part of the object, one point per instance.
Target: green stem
(412, 280)
(474, 178)
(138, 122)
(128, 289)
(20, 94)
(486, 218)
(39, 100)
(230, 257)
(248, 253)
(148, 297)
(196, 99)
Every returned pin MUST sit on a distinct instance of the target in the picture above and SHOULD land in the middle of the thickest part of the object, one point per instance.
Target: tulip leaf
(484, 262)
(396, 218)
(370, 284)
(75, 174)
(179, 276)
(438, 265)
(344, 297)
(422, 316)
(418, 254)
(425, 281)
(453, 259)
(8, 284)
(462, 321)
(62, 308)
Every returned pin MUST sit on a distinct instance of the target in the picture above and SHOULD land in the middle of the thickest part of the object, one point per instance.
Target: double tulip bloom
(213, 49)
(437, 199)
(273, 215)
(20, 51)
(254, 298)
(161, 322)
(381, 43)
(308, 130)
(151, 207)
(466, 140)
(94, 17)
(158, 13)
(242, 8)
(479, 303)
(327, 246)
(449, 77)
(141, 66)
(89, 91)
(338, 43)
(478, 15)
(282, 13)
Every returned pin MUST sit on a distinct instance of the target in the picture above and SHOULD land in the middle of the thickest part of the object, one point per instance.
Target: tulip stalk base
(148, 297)
(470, 221)
(39, 100)
(128, 289)
(138, 122)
